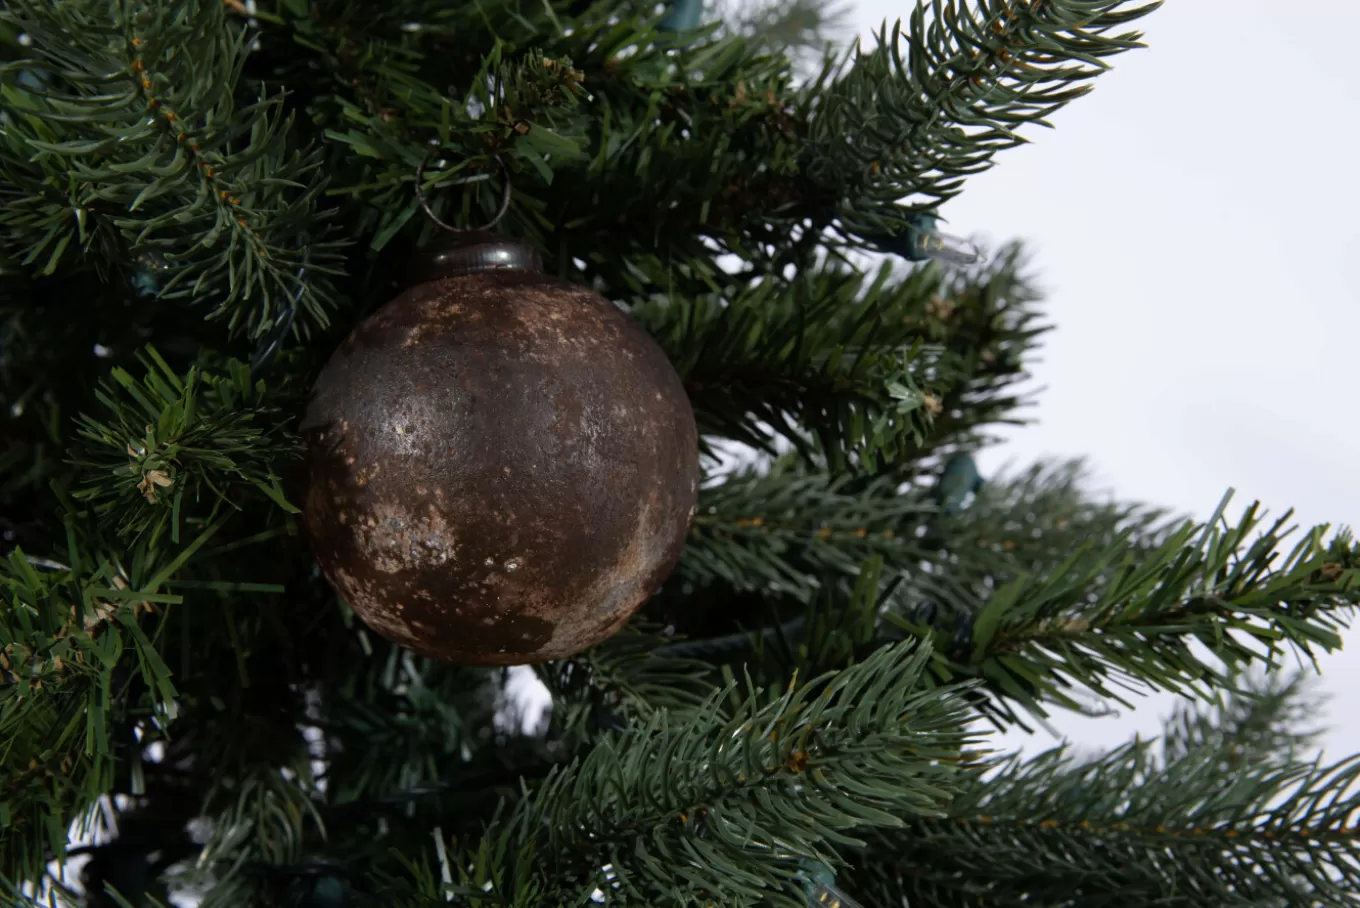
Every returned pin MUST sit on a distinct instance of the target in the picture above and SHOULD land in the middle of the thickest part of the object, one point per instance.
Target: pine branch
(525, 119)
(1263, 719)
(617, 683)
(885, 125)
(783, 532)
(850, 370)
(170, 442)
(788, 535)
(139, 152)
(262, 816)
(985, 321)
(76, 642)
(811, 359)
(1126, 616)
(87, 685)
(637, 163)
(1087, 597)
(831, 632)
(698, 801)
(1031, 523)
(593, 122)
(58, 337)
(780, 531)
(790, 27)
(1136, 826)
(401, 724)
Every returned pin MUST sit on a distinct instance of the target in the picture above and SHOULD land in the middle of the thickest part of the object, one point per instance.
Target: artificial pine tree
(202, 199)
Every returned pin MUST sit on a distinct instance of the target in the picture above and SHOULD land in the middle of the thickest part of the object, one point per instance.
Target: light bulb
(819, 886)
(824, 895)
(946, 247)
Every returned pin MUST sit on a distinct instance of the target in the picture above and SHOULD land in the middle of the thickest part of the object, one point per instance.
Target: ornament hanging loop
(471, 250)
(429, 213)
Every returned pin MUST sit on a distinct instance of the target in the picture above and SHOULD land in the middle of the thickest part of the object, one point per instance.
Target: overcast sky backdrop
(1194, 222)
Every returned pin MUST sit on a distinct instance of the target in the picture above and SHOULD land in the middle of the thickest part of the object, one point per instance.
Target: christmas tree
(203, 199)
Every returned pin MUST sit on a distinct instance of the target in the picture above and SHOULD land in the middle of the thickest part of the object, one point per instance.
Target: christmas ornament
(502, 466)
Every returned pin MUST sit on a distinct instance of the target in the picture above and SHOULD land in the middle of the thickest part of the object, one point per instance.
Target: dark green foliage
(1126, 614)
(855, 371)
(141, 154)
(80, 662)
(622, 680)
(1192, 824)
(800, 360)
(200, 198)
(169, 443)
(783, 531)
(749, 778)
(1045, 597)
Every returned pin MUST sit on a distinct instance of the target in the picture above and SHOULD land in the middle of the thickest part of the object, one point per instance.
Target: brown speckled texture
(502, 468)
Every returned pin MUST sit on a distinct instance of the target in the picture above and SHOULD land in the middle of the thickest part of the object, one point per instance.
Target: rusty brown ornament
(502, 467)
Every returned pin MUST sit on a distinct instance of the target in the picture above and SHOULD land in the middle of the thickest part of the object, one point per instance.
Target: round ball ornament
(501, 467)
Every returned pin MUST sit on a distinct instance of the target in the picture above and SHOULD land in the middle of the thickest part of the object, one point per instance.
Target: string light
(922, 241)
(946, 247)
(819, 884)
(825, 895)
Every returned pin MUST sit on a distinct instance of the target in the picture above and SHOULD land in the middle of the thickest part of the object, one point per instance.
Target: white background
(1194, 223)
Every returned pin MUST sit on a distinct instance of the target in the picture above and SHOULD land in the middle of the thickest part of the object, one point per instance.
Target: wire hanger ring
(425, 206)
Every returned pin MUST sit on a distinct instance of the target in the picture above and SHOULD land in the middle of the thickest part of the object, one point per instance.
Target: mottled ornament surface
(502, 468)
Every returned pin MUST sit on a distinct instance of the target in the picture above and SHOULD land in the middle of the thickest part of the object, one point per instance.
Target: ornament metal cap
(473, 252)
